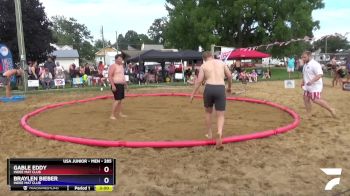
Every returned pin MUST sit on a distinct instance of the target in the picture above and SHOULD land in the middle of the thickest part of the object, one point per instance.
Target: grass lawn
(277, 73)
(280, 73)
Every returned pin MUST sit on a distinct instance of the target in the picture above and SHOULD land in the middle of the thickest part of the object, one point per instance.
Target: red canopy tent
(244, 53)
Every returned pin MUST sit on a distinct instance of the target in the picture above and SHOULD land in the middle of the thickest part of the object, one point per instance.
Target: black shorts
(4, 80)
(119, 94)
(215, 95)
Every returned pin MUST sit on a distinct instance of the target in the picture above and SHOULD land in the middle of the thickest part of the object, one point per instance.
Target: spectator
(300, 64)
(41, 70)
(151, 76)
(73, 72)
(100, 68)
(50, 65)
(188, 73)
(232, 68)
(238, 68)
(335, 69)
(254, 76)
(172, 72)
(348, 67)
(243, 77)
(82, 70)
(290, 66)
(235, 75)
(129, 69)
(60, 75)
(104, 79)
(267, 74)
(58, 68)
(88, 76)
(33, 71)
(46, 79)
(341, 71)
(141, 77)
(193, 78)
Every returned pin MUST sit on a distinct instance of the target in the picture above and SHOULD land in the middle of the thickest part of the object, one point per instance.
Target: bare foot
(122, 115)
(333, 112)
(219, 141)
(308, 116)
(209, 136)
(112, 118)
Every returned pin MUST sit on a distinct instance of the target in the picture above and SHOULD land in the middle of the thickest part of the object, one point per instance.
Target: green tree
(240, 23)
(190, 25)
(334, 44)
(99, 44)
(144, 39)
(69, 31)
(122, 44)
(133, 39)
(157, 30)
(88, 50)
(36, 29)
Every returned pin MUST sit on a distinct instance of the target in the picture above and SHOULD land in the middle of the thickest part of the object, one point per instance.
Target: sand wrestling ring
(88, 139)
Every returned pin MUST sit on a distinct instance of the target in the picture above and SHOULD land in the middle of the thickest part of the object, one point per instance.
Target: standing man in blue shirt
(290, 66)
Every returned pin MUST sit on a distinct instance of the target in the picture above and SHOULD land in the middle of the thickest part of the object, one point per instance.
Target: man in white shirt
(312, 83)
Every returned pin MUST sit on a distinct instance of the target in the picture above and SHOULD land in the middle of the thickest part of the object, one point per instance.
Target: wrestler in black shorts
(119, 94)
(4, 80)
(215, 95)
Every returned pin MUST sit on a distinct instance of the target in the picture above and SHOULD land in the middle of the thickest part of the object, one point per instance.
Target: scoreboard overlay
(64, 174)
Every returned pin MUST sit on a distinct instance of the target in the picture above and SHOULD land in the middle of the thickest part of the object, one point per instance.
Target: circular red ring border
(158, 144)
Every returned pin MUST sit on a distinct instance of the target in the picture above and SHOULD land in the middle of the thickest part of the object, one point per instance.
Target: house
(106, 55)
(66, 55)
(132, 52)
(152, 47)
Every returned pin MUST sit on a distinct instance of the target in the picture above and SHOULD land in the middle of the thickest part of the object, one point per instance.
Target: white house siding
(66, 62)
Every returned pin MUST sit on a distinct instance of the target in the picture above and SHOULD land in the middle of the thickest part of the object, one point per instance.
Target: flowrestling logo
(335, 181)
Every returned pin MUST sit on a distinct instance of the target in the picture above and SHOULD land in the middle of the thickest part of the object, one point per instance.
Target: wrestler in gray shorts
(215, 95)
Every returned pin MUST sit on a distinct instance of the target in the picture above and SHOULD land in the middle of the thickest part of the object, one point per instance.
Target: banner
(225, 52)
(346, 86)
(289, 84)
(33, 83)
(6, 61)
(77, 81)
(179, 76)
(304, 39)
(60, 82)
(127, 78)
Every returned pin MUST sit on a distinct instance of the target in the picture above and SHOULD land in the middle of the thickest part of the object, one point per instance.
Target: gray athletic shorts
(215, 95)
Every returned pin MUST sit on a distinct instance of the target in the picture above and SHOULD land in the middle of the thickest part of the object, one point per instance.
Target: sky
(123, 15)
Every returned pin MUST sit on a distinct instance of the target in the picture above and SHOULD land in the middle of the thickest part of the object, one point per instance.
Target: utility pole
(117, 45)
(20, 40)
(325, 48)
(212, 49)
(103, 45)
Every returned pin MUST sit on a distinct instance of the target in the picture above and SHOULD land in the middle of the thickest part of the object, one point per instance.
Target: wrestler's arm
(126, 83)
(199, 80)
(319, 74)
(229, 78)
(33, 71)
(110, 76)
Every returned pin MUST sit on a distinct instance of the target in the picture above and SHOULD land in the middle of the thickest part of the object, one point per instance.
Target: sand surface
(286, 164)
(155, 118)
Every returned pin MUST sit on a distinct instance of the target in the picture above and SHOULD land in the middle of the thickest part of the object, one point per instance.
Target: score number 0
(106, 170)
